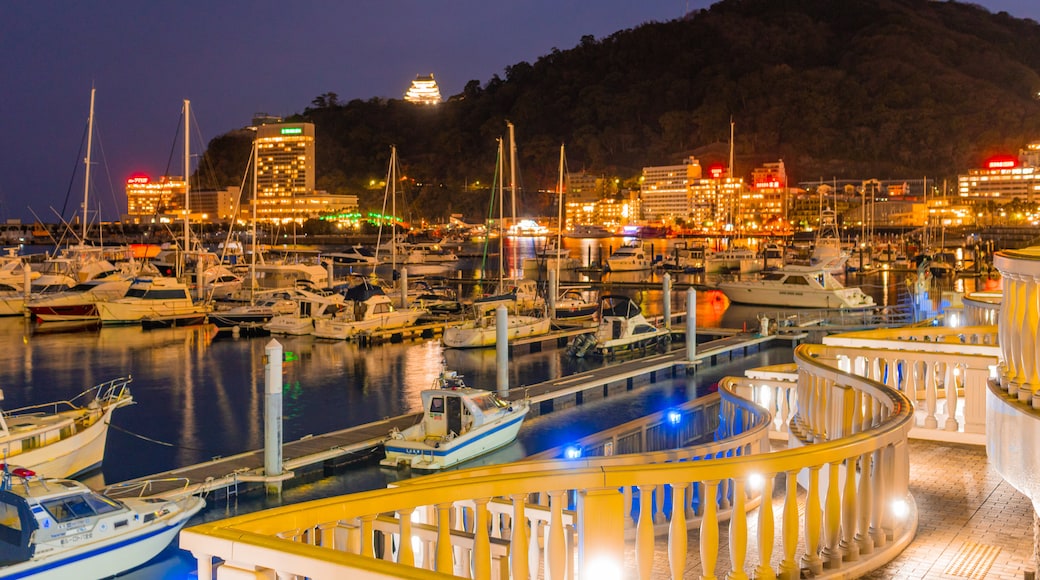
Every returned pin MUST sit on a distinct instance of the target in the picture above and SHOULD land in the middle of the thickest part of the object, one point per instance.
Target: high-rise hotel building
(284, 170)
(1004, 178)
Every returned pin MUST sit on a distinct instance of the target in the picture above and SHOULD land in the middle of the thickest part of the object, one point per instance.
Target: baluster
(518, 539)
(556, 551)
(445, 561)
(738, 532)
(848, 512)
(534, 547)
(864, 501)
(811, 558)
(626, 494)
(788, 566)
(481, 540)
(709, 539)
(931, 392)
(367, 548)
(765, 531)
(877, 480)
(404, 550)
(832, 521)
(953, 374)
(645, 533)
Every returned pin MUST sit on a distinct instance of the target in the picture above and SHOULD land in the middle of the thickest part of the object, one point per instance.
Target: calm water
(199, 396)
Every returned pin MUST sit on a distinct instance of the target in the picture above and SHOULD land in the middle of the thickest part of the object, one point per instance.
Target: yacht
(482, 330)
(355, 255)
(367, 309)
(742, 260)
(154, 298)
(685, 258)
(59, 528)
(797, 287)
(311, 304)
(622, 327)
(79, 302)
(63, 438)
(588, 231)
(628, 258)
(459, 423)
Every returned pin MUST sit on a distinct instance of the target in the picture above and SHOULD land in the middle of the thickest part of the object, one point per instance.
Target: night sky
(232, 59)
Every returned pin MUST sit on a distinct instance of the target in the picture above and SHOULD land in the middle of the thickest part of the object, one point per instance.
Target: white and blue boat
(60, 528)
(459, 423)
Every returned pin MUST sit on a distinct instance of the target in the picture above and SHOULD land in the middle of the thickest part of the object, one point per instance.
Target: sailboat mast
(393, 207)
(512, 182)
(86, 161)
(183, 262)
(501, 214)
(559, 216)
(252, 254)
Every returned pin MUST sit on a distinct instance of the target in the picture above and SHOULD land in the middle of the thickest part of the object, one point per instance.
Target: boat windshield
(489, 402)
(74, 507)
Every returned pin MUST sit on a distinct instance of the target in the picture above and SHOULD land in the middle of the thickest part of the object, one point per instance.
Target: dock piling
(502, 350)
(666, 283)
(273, 417)
(691, 325)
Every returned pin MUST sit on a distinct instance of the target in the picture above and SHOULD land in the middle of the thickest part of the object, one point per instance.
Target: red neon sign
(138, 179)
(717, 171)
(1002, 163)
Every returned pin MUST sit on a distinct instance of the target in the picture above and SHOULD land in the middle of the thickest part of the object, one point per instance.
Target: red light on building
(717, 171)
(1002, 162)
(138, 179)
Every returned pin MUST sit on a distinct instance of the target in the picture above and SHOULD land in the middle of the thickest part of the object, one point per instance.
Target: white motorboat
(459, 423)
(150, 298)
(588, 231)
(797, 287)
(572, 305)
(628, 258)
(355, 255)
(482, 331)
(622, 327)
(686, 258)
(734, 259)
(59, 528)
(311, 304)
(63, 438)
(367, 308)
(78, 302)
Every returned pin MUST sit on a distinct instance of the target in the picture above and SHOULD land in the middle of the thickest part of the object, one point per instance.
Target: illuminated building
(423, 91)
(665, 190)
(763, 204)
(162, 201)
(285, 171)
(1005, 178)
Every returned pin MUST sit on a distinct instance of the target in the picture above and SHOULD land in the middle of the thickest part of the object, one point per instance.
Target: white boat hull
(472, 335)
(418, 455)
(101, 560)
(345, 329)
(130, 312)
(749, 293)
(68, 457)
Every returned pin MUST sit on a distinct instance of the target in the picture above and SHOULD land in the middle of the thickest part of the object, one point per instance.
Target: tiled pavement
(971, 525)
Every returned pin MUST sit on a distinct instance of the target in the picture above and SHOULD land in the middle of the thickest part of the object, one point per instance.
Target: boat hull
(65, 313)
(344, 329)
(474, 336)
(788, 297)
(133, 312)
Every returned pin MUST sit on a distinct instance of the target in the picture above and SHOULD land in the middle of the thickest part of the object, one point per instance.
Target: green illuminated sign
(292, 131)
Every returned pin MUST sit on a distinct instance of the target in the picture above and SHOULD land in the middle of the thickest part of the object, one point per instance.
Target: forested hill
(856, 88)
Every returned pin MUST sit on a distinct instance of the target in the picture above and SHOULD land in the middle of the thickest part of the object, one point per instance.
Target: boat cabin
(456, 408)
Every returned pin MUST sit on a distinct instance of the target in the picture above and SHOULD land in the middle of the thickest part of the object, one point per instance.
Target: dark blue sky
(232, 59)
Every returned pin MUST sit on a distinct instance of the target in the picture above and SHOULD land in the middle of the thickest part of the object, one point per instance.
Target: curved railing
(848, 452)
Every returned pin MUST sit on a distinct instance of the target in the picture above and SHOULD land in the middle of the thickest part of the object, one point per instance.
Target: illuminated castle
(423, 91)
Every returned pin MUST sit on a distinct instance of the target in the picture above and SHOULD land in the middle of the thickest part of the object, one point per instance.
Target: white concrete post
(666, 283)
(27, 285)
(404, 287)
(330, 268)
(553, 292)
(273, 413)
(200, 283)
(502, 350)
(691, 324)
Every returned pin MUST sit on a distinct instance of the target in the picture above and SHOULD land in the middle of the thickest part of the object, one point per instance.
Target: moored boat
(149, 298)
(59, 528)
(63, 438)
(482, 331)
(459, 423)
(797, 287)
(367, 309)
(622, 327)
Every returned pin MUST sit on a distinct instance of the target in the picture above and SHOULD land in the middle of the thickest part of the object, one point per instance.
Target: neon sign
(717, 171)
(141, 179)
(770, 184)
(292, 131)
(1002, 163)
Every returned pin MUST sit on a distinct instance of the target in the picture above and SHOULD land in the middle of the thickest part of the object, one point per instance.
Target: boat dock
(237, 473)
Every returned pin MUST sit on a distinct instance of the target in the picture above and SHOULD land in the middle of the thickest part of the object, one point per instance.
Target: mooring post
(404, 287)
(330, 268)
(27, 286)
(553, 292)
(666, 283)
(691, 325)
(273, 416)
(502, 350)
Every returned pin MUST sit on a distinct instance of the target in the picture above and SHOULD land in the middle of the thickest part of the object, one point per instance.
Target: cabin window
(9, 517)
(30, 443)
(101, 504)
(796, 281)
(437, 405)
(69, 508)
(643, 329)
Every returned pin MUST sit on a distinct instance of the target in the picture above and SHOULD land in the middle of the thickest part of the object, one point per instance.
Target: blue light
(572, 452)
(674, 417)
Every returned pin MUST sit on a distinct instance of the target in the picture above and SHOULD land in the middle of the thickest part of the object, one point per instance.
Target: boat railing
(143, 488)
(102, 394)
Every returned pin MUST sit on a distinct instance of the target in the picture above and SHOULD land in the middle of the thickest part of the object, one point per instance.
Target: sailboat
(571, 304)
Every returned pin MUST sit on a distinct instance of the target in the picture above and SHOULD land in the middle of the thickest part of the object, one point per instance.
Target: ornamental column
(1019, 320)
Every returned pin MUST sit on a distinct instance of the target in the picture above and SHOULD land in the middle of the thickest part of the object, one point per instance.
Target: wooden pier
(243, 471)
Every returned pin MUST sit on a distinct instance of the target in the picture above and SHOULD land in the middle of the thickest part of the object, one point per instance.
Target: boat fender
(395, 433)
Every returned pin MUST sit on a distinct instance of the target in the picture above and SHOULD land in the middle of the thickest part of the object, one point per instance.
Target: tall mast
(559, 217)
(86, 161)
(501, 214)
(252, 254)
(187, 183)
(512, 182)
(393, 207)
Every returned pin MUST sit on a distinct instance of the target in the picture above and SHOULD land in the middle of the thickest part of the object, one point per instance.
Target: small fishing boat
(797, 287)
(59, 528)
(459, 423)
(63, 438)
(622, 327)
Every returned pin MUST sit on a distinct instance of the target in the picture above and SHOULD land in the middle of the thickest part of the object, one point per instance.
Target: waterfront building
(665, 190)
(146, 198)
(610, 212)
(285, 172)
(423, 91)
(1004, 178)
